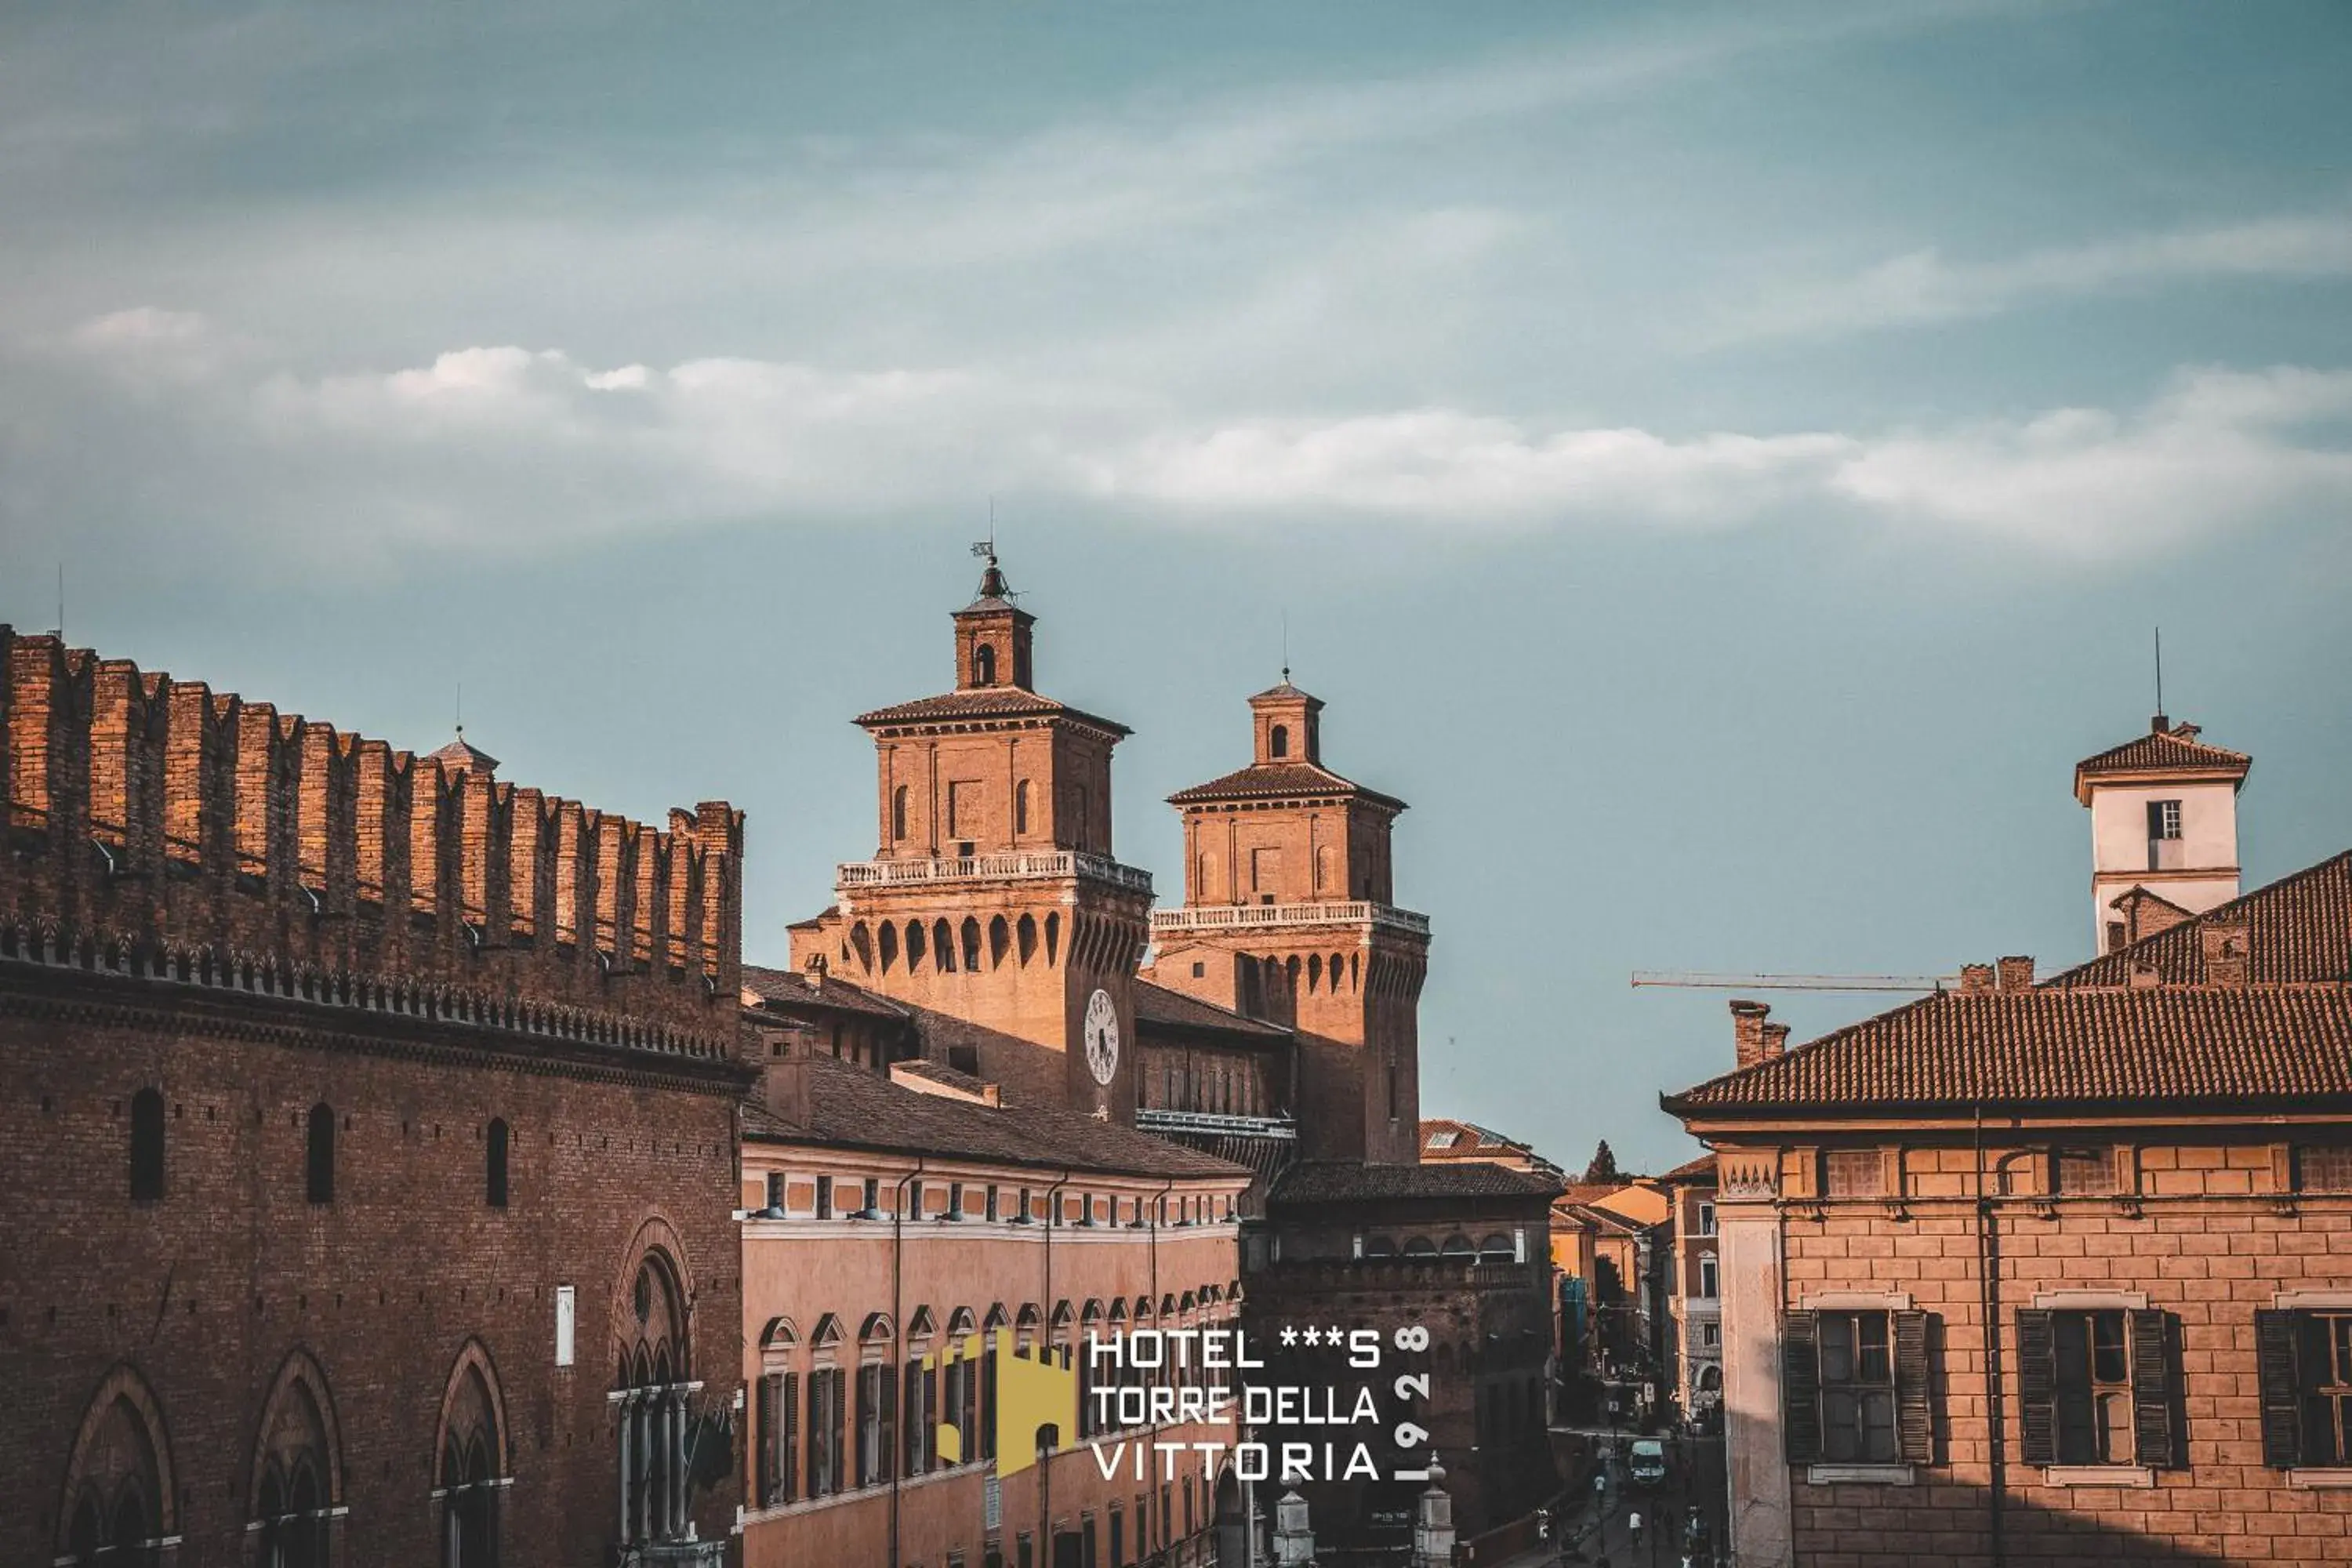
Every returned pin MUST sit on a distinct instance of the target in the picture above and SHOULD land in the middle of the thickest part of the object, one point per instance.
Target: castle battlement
(157, 814)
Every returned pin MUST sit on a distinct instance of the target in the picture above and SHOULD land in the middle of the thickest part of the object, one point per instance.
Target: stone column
(1293, 1542)
(1748, 1239)
(1433, 1529)
(628, 1472)
(681, 1431)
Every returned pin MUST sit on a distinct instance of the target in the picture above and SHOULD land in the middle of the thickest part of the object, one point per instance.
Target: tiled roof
(788, 990)
(985, 702)
(2176, 750)
(1699, 1171)
(2298, 931)
(852, 1107)
(1159, 1006)
(1340, 1181)
(2215, 1046)
(1282, 691)
(1262, 779)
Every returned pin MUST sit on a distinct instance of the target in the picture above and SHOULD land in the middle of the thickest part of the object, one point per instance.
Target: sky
(1722, 465)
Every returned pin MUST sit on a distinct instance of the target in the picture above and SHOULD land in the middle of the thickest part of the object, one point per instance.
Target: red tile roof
(1698, 1173)
(2233, 1047)
(1262, 779)
(985, 702)
(2298, 931)
(1158, 1006)
(1341, 1180)
(2173, 750)
(850, 1107)
(785, 989)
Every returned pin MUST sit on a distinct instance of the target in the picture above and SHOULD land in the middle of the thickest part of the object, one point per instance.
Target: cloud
(501, 446)
(1923, 287)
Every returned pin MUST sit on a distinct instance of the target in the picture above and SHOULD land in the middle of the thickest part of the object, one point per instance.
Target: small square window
(2164, 820)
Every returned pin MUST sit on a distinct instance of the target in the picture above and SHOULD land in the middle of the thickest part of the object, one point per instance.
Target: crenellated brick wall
(157, 816)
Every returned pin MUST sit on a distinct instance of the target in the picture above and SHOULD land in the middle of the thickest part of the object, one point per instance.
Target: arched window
(970, 944)
(118, 1481)
(1021, 807)
(1025, 936)
(495, 1159)
(914, 946)
(1052, 937)
(999, 940)
(898, 813)
(943, 946)
(983, 665)
(321, 1165)
(472, 1464)
(147, 1146)
(298, 1475)
(1278, 742)
(889, 944)
(654, 1413)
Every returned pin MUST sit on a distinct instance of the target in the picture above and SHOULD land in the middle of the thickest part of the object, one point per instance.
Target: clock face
(1102, 1037)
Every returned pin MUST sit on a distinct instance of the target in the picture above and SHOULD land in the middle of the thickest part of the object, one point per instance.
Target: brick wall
(2204, 1227)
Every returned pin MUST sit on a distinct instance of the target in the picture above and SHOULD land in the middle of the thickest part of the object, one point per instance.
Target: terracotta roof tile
(1338, 1181)
(1159, 1006)
(2177, 749)
(787, 989)
(2221, 1046)
(2298, 931)
(985, 702)
(1262, 779)
(852, 1107)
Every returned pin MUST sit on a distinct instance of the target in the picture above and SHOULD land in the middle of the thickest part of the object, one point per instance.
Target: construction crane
(1702, 979)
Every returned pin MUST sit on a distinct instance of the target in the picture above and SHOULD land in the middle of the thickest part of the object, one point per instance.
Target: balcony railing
(1014, 867)
(1221, 917)
(1154, 1120)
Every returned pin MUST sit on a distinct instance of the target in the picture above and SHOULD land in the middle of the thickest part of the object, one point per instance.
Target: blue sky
(1721, 465)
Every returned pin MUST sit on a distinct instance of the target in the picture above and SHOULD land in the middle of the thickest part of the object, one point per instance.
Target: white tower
(2164, 831)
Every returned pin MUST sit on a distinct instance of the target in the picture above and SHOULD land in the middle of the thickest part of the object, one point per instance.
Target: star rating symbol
(1313, 1336)
(1334, 1338)
(1289, 1335)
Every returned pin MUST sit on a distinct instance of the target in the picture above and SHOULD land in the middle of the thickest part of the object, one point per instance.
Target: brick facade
(274, 1000)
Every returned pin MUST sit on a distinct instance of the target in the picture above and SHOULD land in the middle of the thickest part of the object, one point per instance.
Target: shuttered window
(2098, 1388)
(1857, 1389)
(2305, 1363)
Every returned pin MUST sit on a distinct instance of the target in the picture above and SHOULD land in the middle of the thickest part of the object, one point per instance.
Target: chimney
(784, 1074)
(1776, 1040)
(2016, 973)
(2223, 943)
(1976, 979)
(1748, 1032)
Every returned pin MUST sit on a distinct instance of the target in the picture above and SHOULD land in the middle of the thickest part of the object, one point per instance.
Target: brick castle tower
(993, 903)
(1288, 915)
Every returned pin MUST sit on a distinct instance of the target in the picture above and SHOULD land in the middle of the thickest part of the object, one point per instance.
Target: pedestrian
(1634, 1521)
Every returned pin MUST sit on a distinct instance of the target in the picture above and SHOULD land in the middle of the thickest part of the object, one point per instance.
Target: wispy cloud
(1924, 287)
(504, 448)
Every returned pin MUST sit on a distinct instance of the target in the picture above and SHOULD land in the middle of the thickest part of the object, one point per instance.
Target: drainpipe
(1046, 1344)
(1988, 1278)
(897, 1325)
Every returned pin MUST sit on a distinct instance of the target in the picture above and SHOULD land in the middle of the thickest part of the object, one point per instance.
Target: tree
(1603, 1167)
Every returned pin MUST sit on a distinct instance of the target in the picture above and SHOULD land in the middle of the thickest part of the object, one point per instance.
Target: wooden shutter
(765, 1410)
(2275, 1358)
(2153, 1387)
(912, 1433)
(788, 1456)
(2037, 1389)
(1915, 1425)
(888, 1445)
(1800, 1387)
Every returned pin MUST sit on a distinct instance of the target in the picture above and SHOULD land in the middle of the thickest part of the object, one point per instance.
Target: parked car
(1646, 1463)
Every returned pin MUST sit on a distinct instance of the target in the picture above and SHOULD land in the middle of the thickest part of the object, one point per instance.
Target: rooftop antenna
(1286, 647)
(461, 709)
(2160, 678)
(61, 601)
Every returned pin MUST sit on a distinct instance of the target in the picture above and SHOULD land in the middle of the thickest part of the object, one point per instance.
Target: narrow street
(1594, 1536)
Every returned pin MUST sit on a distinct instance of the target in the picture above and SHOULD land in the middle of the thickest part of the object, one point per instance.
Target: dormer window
(1278, 743)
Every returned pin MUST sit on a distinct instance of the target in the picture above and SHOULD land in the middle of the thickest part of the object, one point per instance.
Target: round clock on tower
(1102, 1037)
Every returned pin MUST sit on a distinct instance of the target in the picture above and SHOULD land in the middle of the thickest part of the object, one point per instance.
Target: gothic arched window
(472, 1463)
(1278, 742)
(320, 1164)
(654, 1375)
(118, 1497)
(898, 813)
(147, 1146)
(297, 1471)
